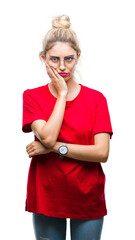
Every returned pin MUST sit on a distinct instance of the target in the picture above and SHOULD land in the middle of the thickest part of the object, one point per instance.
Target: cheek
(52, 65)
(72, 70)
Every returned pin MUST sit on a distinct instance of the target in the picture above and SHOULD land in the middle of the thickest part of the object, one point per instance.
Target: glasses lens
(54, 60)
(68, 61)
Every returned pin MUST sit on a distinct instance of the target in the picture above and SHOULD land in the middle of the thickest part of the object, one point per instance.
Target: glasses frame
(61, 60)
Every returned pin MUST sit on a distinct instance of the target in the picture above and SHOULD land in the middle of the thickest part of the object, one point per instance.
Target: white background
(106, 32)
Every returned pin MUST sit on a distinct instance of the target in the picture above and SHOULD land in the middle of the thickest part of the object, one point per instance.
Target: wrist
(56, 147)
(62, 94)
(63, 150)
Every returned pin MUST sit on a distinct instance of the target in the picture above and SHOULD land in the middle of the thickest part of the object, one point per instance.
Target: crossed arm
(47, 133)
(90, 153)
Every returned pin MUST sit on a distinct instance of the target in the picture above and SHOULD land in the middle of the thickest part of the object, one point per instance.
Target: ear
(78, 56)
(43, 57)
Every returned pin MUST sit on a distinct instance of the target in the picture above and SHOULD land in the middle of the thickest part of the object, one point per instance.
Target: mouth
(63, 74)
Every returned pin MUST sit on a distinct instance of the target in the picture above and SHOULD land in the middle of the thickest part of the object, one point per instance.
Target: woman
(72, 129)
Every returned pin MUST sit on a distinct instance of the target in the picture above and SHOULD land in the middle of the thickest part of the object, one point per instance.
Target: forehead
(61, 49)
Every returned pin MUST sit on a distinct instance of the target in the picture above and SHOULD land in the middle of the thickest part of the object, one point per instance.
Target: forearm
(88, 153)
(49, 132)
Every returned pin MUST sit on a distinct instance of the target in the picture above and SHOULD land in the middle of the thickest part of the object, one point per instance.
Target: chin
(68, 78)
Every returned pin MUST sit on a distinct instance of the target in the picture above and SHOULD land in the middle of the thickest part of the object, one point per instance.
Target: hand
(36, 148)
(57, 80)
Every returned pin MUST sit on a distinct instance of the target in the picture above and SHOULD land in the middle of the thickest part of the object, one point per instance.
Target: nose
(62, 65)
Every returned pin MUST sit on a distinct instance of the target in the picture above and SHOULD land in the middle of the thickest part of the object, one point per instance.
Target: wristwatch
(63, 149)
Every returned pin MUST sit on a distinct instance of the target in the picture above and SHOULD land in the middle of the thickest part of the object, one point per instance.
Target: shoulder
(93, 94)
(33, 92)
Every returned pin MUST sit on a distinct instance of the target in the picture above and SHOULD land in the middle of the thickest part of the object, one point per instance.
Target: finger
(51, 71)
(29, 144)
(57, 74)
(48, 67)
(30, 150)
(29, 147)
(52, 74)
(31, 153)
(46, 63)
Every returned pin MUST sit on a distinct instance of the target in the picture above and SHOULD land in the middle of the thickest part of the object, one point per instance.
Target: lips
(63, 74)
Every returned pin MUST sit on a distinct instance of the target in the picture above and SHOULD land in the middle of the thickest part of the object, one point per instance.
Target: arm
(47, 132)
(90, 153)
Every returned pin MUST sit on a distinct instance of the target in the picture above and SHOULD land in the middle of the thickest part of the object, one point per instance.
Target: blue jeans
(51, 228)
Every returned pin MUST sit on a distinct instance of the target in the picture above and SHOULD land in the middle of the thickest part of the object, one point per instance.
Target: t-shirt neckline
(70, 101)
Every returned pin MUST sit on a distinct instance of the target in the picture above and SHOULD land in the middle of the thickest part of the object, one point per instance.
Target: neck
(71, 83)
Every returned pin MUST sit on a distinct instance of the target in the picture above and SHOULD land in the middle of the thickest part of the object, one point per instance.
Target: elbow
(104, 156)
(104, 160)
(48, 142)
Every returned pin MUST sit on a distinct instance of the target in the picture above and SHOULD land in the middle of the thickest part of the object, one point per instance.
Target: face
(63, 58)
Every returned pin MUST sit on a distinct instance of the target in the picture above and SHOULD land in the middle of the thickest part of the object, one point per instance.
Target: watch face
(63, 150)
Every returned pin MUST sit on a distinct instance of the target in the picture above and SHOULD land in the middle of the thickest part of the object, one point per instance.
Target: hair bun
(62, 21)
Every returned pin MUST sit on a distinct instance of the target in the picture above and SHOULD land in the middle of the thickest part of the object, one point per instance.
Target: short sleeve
(31, 111)
(102, 121)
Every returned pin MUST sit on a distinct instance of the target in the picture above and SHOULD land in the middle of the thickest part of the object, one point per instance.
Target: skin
(64, 88)
(65, 84)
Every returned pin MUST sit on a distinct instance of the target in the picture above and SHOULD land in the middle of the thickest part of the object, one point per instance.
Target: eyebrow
(64, 57)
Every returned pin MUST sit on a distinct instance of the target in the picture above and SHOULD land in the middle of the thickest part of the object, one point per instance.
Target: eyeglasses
(68, 60)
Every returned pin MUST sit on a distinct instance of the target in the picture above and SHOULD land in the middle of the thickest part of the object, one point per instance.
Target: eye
(69, 59)
(54, 59)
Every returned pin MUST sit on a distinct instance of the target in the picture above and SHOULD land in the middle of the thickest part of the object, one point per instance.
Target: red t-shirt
(67, 188)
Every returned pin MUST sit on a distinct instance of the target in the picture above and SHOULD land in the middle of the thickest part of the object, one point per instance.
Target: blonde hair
(61, 32)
